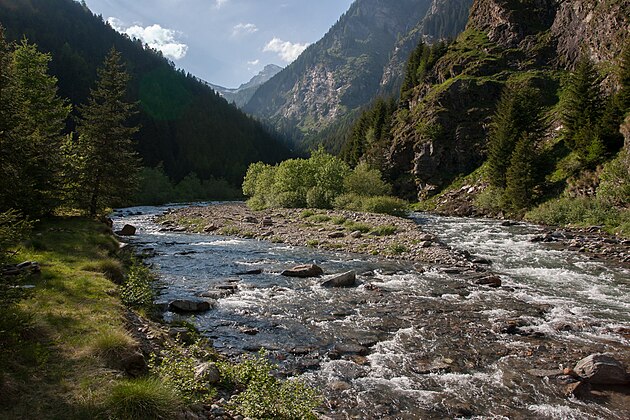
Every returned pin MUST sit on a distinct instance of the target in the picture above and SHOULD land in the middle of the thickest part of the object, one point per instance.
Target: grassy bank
(58, 362)
(66, 351)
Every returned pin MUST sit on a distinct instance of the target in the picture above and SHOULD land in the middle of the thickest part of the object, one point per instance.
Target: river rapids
(411, 341)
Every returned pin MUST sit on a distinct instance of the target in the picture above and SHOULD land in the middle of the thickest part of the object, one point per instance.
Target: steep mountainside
(185, 125)
(443, 132)
(242, 94)
(360, 57)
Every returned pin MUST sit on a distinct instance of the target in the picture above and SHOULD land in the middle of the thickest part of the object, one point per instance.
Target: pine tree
(583, 106)
(521, 176)
(518, 112)
(8, 152)
(40, 119)
(105, 158)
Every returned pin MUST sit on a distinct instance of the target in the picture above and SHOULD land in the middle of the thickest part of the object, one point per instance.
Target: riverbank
(334, 230)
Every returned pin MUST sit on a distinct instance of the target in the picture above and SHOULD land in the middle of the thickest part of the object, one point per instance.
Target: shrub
(13, 229)
(177, 367)
(490, 200)
(143, 398)
(366, 181)
(289, 199)
(350, 202)
(338, 220)
(265, 396)
(385, 205)
(137, 291)
(306, 214)
(110, 267)
(397, 249)
(614, 187)
(318, 198)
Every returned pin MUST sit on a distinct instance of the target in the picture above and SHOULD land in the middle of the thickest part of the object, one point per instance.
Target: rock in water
(303, 271)
(602, 369)
(342, 280)
(127, 230)
(189, 305)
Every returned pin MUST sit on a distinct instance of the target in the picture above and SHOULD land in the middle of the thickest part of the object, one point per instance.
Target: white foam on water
(560, 412)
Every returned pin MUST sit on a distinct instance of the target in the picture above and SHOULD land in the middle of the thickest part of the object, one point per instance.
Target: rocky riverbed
(353, 232)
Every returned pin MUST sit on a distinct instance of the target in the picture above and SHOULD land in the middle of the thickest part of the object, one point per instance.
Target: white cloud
(155, 36)
(254, 62)
(244, 28)
(286, 50)
(220, 3)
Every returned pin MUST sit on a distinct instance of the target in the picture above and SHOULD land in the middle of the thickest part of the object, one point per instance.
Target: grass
(353, 226)
(67, 328)
(112, 268)
(319, 218)
(144, 398)
(384, 230)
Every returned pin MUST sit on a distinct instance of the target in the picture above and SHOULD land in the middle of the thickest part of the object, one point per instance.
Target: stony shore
(362, 233)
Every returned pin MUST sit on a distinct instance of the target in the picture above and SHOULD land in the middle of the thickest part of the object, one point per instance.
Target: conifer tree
(583, 107)
(518, 112)
(40, 118)
(105, 158)
(521, 176)
(7, 111)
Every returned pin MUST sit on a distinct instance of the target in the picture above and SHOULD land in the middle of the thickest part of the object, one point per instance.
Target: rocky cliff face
(443, 133)
(361, 56)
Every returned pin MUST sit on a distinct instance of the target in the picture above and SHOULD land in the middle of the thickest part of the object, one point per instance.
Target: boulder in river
(189, 305)
(602, 369)
(250, 272)
(304, 271)
(127, 230)
(342, 280)
(490, 281)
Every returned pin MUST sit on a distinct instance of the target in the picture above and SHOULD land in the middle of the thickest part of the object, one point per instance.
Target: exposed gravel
(353, 232)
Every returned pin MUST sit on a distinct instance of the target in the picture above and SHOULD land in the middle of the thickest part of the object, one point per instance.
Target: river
(410, 341)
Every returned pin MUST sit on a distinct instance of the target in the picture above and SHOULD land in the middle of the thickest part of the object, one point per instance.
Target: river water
(410, 341)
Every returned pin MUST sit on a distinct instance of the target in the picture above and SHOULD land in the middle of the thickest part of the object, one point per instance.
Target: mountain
(362, 56)
(440, 133)
(185, 125)
(241, 95)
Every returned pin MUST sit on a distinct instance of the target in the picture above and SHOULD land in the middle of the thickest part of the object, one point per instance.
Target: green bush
(304, 214)
(319, 218)
(266, 397)
(137, 291)
(490, 200)
(338, 220)
(366, 181)
(581, 212)
(318, 198)
(13, 229)
(177, 367)
(614, 187)
(378, 204)
(143, 398)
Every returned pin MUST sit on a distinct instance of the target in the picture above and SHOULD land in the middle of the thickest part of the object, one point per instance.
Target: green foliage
(143, 398)
(384, 230)
(137, 291)
(518, 113)
(32, 120)
(379, 204)
(397, 249)
(305, 214)
(521, 178)
(581, 212)
(266, 397)
(421, 61)
(106, 165)
(370, 133)
(13, 229)
(491, 200)
(319, 218)
(614, 187)
(177, 367)
(353, 226)
(366, 181)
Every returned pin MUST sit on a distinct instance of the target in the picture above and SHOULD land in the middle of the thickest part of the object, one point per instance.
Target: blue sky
(225, 42)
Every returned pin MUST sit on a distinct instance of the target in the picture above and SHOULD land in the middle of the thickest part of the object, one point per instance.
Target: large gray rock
(342, 280)
(127, 230)
(189, 305)
(602, 369)
(303, 271)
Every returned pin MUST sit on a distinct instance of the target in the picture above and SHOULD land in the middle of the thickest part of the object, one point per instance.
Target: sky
(224, 42)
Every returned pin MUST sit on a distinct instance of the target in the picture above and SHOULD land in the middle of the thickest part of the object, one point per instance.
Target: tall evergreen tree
(518, 112)
(40, 118)
(107, 163)
(583, 105)
(521, 176)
